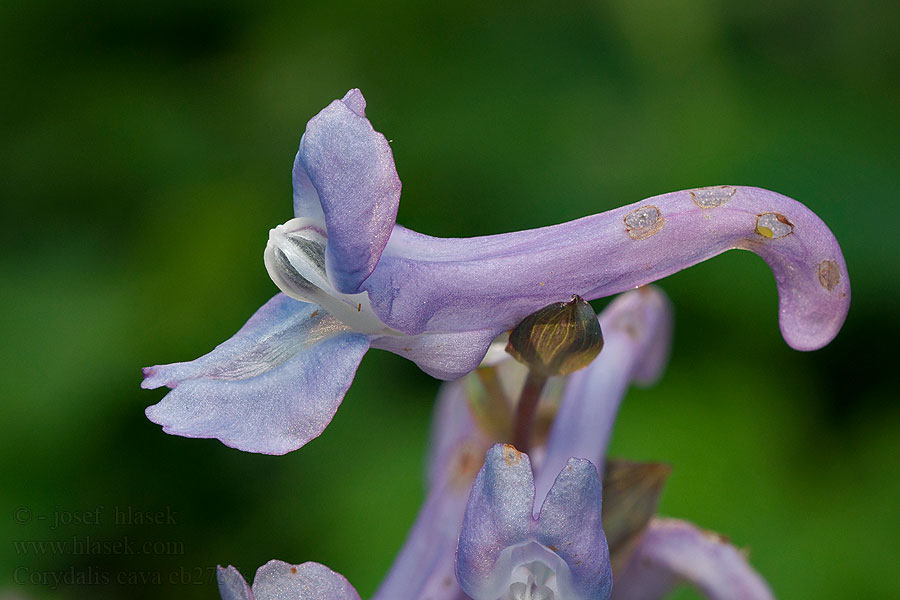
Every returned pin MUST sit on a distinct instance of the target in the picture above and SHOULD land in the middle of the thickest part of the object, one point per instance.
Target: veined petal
(277, 580)
(672, 552)
(498, 516)
(271, 388)
(570, 525)
(637, 330)
(504, 553)
(344, 173)
(445, 356)
(306, 198)
(425, 283)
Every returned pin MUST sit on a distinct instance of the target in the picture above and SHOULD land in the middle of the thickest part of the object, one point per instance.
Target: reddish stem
(525, 410)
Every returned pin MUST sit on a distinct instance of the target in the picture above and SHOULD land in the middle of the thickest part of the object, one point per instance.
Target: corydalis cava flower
(531, 529)
(351, 279)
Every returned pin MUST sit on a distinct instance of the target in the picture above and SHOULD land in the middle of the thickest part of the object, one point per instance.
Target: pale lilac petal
(424, 566)
(355, 102)
(502, 549)
(306, 198)
(445, 356)
(453, 429)
(637, 334)
(271, 388)
(347, 167)
(278, 580)
(430, 284)
(498, 516)
(672, 552)
(232, 585)
(570, 525)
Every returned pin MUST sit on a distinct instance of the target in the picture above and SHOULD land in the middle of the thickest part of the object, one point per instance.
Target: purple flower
(351, 279)
(567, 554)
(534, 529)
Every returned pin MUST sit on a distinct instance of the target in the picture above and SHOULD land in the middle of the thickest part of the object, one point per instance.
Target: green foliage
(146, 151)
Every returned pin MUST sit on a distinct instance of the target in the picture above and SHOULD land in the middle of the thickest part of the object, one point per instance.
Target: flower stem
(528, 401)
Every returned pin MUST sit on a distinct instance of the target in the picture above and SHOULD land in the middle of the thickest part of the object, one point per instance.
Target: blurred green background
(146, 151)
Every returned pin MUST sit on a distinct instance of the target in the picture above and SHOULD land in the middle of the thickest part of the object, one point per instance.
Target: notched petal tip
(150, 381)
(355, 101)
(570, 522)
(505, 552)
(232, 585)
(159, 376)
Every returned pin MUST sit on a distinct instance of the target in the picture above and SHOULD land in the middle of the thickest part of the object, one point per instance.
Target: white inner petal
(534, 581)
(295, 260)
(530, 571)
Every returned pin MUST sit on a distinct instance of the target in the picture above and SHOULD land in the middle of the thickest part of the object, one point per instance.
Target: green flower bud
(558, 339)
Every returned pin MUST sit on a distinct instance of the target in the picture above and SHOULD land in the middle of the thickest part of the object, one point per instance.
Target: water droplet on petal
(773, 225)
(643, 222)
(712, 197)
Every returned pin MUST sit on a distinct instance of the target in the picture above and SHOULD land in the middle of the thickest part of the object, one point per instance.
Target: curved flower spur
(352, 279)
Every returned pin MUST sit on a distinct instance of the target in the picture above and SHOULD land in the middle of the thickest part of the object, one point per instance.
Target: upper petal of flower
(498, 516)
(504, 553)
(637, 332)
(570, 522)
(344, 174)
(671, 552)
(271, 388)
(277, 580)
(423, 283)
